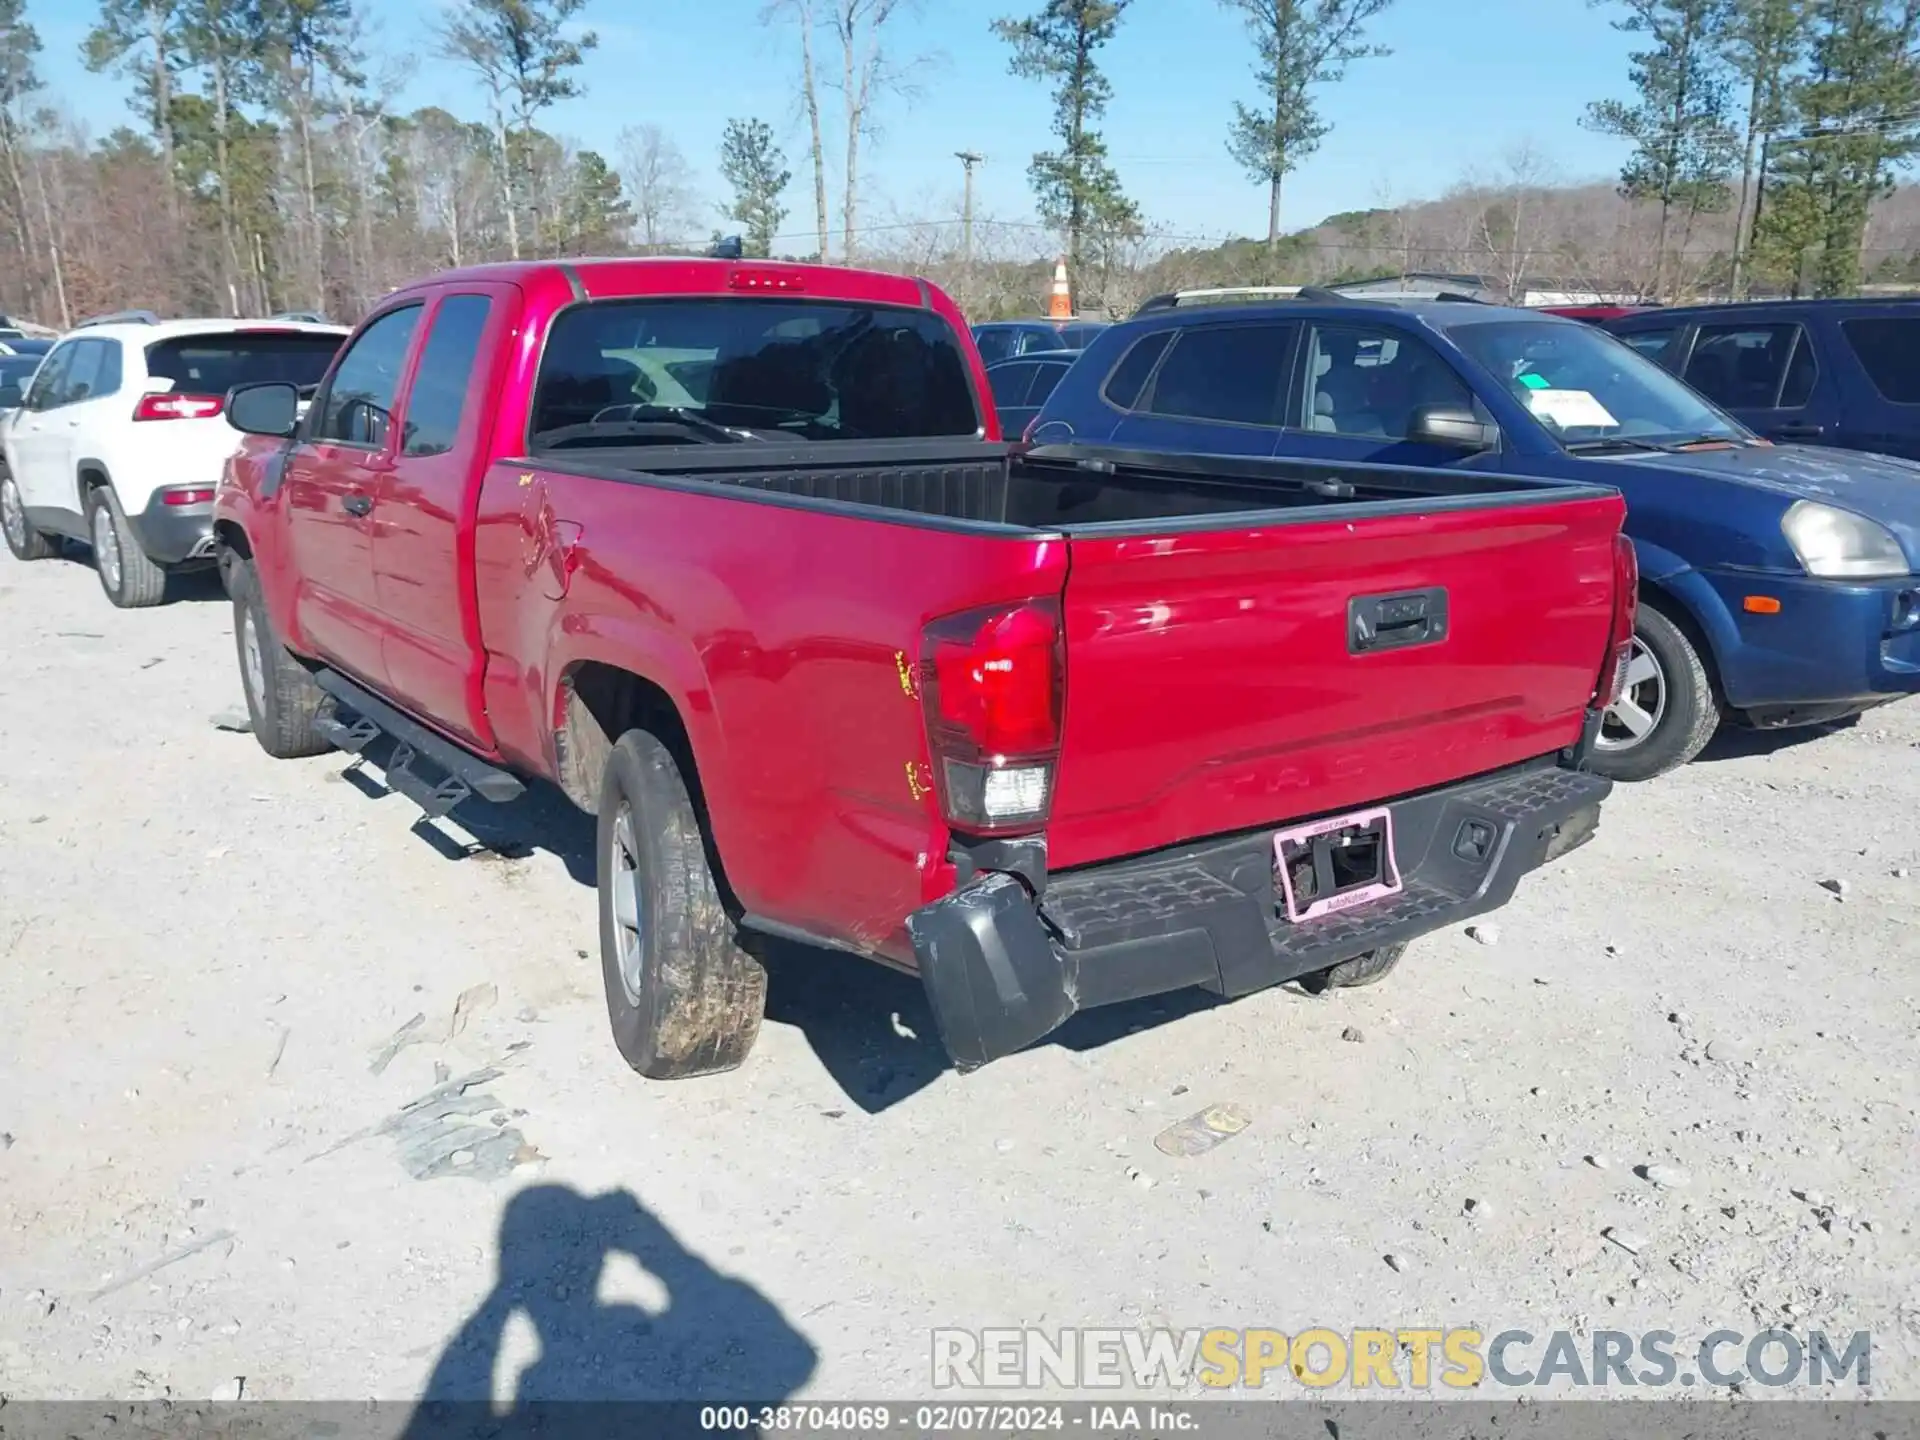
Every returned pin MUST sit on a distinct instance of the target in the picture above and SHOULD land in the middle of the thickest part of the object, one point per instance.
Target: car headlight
(1837, 544)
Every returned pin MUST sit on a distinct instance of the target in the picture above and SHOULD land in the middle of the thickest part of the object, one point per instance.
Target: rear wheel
(283, 702)
(128, 575)
(23, 540)
(682, 995)
(1667, 710)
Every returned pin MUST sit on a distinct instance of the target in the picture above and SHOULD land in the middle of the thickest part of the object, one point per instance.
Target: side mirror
(11, 396)
(1452, 427)
(270, 408)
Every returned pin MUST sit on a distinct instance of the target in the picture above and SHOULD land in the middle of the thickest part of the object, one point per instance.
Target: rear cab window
(678, 370)
(1889, 351)
(214, 363)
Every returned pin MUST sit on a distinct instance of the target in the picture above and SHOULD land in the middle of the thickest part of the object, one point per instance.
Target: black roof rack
(121, 317)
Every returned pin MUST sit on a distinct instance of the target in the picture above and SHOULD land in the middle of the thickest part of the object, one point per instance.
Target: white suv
(119, 441)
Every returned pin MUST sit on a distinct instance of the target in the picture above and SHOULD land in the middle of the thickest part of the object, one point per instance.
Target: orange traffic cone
(1060, 302)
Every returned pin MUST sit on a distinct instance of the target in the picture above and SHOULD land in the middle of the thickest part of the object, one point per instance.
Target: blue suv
(1821, 372)
(1778, 582)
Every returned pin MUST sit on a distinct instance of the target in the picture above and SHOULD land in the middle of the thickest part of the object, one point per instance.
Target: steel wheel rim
(628, 905)
(106, 547)
(1642, 705)
(253, 660)
(11, 515)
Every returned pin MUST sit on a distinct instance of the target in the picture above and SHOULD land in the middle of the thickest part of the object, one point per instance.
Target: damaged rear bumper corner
(1003, 970)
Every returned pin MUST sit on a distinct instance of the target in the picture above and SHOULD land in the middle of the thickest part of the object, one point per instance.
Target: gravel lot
(204, 950)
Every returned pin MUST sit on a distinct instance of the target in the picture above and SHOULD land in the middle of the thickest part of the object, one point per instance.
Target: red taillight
(201, 496)
(1626, 611)
(178, 407)
(993, 682)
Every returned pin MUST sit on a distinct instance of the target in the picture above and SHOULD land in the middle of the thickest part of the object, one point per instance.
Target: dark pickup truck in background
(731, 553)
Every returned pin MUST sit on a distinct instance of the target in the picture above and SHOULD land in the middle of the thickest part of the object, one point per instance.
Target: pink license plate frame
(1388, 884)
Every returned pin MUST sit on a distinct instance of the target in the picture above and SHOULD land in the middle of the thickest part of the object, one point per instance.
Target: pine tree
(1298, 44)
(1857, 103)
(1765, 43)
(753, 165)
(1683, 143)
(1074, 188)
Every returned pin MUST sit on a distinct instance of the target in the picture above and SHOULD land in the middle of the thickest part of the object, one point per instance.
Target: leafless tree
(659, 187)
(804, 16)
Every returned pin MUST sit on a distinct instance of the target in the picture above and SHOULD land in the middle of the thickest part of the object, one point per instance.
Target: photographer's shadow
(715, 1340)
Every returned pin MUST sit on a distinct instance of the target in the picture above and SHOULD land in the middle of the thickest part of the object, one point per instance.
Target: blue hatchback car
(1778, 582)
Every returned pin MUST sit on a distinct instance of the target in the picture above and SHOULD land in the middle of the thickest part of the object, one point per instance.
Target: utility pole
(968, 159)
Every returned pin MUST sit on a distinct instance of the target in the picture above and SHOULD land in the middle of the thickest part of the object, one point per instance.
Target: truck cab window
(359, 402)
(441, 379)
(673, 371)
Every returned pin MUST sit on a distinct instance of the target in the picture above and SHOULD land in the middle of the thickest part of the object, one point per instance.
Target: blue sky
(1456, 93)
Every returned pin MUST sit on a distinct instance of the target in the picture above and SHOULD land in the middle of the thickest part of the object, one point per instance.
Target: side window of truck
(358, 405)
(1227, 373)
(441, 380)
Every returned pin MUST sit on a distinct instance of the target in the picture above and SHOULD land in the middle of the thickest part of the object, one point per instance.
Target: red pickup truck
(732, 554)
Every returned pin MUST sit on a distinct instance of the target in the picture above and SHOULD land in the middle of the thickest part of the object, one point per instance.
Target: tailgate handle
(1393, 622)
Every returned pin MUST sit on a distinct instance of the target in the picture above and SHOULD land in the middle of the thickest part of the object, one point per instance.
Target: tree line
(266, 165)
(1793, 117)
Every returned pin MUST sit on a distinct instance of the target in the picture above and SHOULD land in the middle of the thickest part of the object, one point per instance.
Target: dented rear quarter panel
(785, 636)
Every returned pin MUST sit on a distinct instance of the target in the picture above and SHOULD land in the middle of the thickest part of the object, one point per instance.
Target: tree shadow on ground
(713, 1340)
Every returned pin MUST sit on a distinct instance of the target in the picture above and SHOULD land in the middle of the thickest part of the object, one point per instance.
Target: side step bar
(359, 716)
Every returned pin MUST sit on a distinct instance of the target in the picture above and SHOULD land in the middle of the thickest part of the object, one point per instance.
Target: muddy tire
(1669, 710)
(283, 702)
(23, 540)
(682, 996)
(1368, 969)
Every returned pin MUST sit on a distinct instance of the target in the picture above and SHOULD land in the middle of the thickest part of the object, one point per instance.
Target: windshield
(1586, 388)
(17, 370)
(624, 372)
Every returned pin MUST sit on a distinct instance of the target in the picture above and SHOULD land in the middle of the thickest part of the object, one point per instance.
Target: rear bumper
(1002, 971)
(1834, 645)
(175, 534)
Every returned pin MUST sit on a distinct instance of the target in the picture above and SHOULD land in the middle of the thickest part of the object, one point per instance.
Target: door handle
(356, 505)
(1389, 622)
(1799, 432)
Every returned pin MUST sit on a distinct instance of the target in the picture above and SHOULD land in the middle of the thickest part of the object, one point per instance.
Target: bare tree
(659, 187)
(805, 17)
(1511, 235)
(867, 70)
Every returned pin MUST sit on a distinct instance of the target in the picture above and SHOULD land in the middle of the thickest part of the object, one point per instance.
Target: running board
(359, 716)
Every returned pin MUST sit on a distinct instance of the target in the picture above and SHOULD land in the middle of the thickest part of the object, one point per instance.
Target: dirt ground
(202, 952)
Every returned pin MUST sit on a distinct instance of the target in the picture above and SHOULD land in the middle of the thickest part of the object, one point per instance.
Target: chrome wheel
(255, 662)
(106, 546)
(12, 516)
(1642, 704)
(629, 906)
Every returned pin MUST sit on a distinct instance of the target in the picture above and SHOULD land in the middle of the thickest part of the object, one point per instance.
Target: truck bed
(1217, 675)
(1063, 488)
